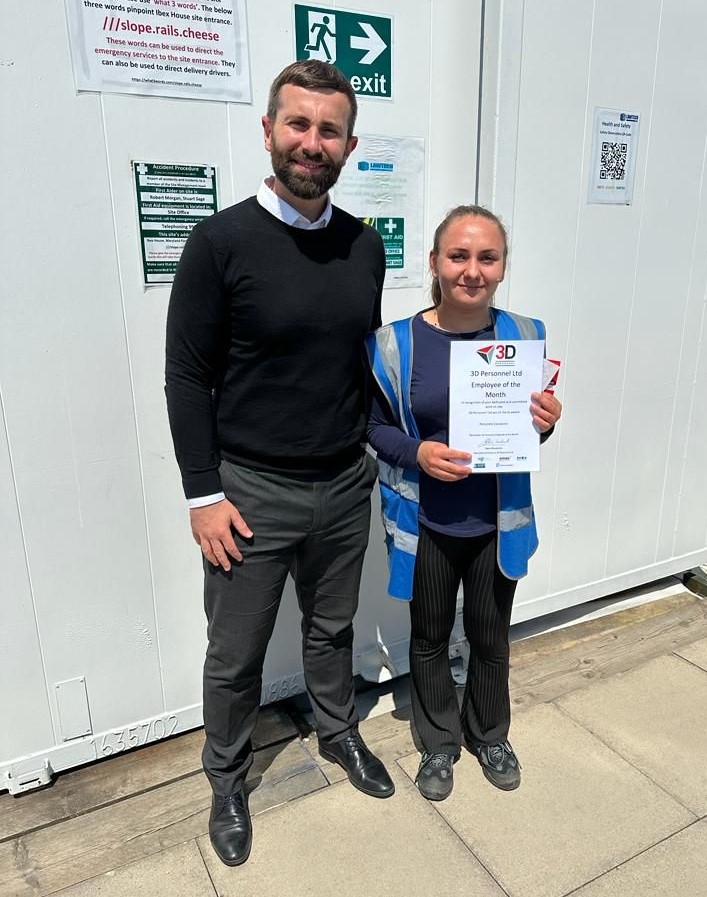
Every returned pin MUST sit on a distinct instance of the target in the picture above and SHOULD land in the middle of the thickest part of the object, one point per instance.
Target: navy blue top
(466, 507)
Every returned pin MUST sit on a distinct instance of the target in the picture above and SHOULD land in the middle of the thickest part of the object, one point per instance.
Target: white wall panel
(652, 436)
(684, 494)
(614, 284)
(69, 403)
(454, 61)
(179, 131)
(689, 496)
(24, 705)
(544, 213)
(91, 585)
(599, 304)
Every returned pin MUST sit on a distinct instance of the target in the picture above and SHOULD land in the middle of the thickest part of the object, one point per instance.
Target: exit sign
(359, 45)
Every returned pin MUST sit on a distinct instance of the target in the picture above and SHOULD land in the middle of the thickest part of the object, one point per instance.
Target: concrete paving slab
(696, 653)
(581, 809)
(674, 867)
(177, 872)
(654, 717)
(339, 841)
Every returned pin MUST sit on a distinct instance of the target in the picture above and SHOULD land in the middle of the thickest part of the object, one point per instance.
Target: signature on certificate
(494, 442)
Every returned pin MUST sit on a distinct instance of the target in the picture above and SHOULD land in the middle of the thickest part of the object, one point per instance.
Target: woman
(444, 526)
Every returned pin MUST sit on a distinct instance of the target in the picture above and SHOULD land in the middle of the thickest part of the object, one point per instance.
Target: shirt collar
(286, 213)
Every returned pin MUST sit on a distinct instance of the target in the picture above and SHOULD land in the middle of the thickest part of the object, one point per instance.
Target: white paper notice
(614, 145)
(489, 403)
(171, 199)
(171, 48)
(383, 183)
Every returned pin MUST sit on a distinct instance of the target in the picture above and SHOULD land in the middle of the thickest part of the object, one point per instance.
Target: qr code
(612, 166)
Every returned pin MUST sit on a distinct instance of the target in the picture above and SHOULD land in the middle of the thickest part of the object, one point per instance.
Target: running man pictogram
(322, 31)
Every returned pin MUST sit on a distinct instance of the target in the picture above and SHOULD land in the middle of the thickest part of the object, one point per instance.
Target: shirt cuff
(205, 500)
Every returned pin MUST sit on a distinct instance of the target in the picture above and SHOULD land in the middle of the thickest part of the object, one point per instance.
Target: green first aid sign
(392, 230)
(359, 45)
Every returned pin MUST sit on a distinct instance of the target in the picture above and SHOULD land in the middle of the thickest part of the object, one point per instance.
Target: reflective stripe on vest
(510, 520)
(396, 479)
(406, 542)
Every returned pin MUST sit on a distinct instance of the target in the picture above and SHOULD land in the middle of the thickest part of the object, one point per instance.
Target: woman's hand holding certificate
(443, 463)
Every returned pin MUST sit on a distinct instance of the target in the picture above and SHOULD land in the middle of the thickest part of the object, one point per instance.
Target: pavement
(613, 803)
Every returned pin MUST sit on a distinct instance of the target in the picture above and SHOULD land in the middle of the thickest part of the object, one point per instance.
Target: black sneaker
(435, 777)
(499, 764)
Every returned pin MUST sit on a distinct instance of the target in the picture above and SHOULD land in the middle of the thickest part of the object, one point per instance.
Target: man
(271, 304)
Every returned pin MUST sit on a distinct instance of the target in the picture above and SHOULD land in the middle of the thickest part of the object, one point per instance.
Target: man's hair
(313, 74)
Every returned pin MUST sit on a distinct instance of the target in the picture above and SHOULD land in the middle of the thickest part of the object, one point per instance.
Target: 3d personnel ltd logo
(505, 353)
(486, 353)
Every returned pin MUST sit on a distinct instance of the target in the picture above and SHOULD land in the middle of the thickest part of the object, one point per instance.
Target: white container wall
(103, 633)
(622, 497)
(103, 630)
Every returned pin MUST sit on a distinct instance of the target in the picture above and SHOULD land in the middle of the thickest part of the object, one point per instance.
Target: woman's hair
(464, 212)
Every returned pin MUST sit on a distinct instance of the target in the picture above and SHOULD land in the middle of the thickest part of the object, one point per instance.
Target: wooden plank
(101, 784)
(110, 837)
(525, 650)
(553, 664)
(107, 781)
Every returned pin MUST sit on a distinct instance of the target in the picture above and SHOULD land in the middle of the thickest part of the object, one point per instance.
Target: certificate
(489, 403)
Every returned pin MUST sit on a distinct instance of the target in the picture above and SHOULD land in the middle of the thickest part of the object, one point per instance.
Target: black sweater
(265, 335)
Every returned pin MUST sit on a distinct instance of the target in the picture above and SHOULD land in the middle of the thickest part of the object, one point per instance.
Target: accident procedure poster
(383, 183)
(197, 49)
(171, 199)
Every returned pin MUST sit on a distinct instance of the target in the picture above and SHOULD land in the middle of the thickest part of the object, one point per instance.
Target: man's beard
(305, 185)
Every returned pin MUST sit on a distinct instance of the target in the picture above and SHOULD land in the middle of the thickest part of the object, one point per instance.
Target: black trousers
(318, 532)
(442, 563)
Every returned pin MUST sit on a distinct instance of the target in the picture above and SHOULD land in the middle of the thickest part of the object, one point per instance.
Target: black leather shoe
(230, 829)
(365, 771)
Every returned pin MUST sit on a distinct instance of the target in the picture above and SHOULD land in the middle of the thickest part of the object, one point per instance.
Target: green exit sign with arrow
(356, 43)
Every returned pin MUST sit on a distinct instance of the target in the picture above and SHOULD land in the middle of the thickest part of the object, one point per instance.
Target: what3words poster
(197, 49)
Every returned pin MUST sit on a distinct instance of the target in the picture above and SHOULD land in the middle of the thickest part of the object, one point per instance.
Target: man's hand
(211, 528)
(437, 460)
(546, 410)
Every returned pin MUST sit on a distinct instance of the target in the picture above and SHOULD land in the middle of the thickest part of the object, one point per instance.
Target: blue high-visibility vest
(390, 352)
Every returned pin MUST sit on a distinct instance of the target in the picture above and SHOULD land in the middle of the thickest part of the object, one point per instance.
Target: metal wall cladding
(621, 498)
(101, 580)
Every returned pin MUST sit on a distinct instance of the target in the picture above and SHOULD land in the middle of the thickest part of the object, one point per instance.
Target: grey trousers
(318, 532)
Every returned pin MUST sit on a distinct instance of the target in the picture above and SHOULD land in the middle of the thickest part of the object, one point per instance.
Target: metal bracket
(696, 581)
(29, 780)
